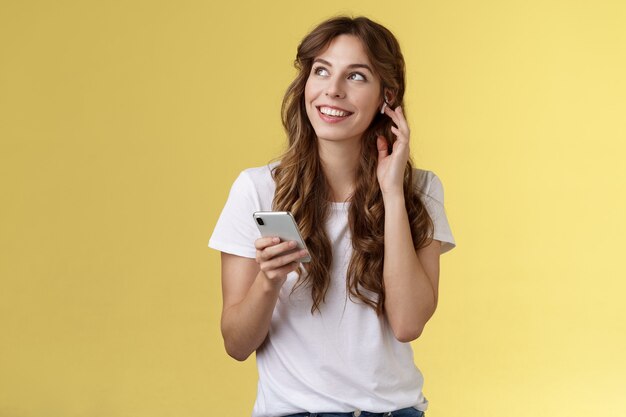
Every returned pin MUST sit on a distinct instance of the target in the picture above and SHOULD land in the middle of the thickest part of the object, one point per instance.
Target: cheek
(308, 96)
(369, 106)
(310, 90)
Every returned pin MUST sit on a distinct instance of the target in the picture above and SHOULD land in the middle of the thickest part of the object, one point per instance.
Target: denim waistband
(405, 412)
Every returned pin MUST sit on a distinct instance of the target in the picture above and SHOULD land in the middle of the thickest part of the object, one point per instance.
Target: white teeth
(333, 112)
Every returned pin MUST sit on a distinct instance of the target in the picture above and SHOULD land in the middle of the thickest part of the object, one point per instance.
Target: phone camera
(260, 221)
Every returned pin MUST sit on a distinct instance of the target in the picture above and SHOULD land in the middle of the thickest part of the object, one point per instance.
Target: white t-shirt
(345, 357)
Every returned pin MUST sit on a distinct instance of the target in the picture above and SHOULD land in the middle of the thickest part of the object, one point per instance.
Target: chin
(335, 135)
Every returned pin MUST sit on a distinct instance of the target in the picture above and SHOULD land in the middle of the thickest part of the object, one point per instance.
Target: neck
(340, 161)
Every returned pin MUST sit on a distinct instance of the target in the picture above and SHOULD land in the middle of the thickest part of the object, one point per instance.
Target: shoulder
(428, 184)
(259, 174)
(430, 190)
(256, 178)
(257, 185)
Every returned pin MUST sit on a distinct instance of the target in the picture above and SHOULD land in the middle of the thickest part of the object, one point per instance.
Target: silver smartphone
(280, 224)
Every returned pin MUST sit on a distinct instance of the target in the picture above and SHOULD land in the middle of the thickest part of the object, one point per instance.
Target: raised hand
(390, 169)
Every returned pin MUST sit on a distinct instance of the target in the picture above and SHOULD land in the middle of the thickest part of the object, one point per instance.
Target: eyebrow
(323, 61)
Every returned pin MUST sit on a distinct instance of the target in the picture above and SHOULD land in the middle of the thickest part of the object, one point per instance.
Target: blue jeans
(405, 412)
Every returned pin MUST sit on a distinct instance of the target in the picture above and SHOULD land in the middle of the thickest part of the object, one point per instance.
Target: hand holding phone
(282, 225)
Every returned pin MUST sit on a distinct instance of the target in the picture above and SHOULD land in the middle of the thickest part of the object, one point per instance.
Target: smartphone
(280, 224)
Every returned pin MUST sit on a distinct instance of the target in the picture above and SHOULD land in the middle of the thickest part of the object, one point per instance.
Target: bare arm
(250, 289)
(411, 279)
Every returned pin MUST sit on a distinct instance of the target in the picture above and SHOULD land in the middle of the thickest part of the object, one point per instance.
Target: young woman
(331, 336)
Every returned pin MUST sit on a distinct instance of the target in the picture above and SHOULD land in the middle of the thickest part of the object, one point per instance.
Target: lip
(332, 119)
(333, 107)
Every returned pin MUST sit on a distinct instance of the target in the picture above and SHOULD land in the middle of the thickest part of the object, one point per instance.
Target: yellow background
(124, 123)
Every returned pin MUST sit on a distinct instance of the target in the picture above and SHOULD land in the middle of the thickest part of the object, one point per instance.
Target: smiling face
(342, 94)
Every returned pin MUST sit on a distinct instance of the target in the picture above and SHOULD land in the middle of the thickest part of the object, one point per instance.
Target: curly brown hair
(302, 188)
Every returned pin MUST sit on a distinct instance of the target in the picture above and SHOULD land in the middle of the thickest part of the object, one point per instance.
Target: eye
(320, 71)
(357, 76)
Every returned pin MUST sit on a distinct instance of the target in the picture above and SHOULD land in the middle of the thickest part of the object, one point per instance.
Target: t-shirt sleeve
(435, 207)
(235, 231)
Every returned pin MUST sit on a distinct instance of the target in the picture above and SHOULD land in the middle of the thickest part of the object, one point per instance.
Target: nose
(333, 89)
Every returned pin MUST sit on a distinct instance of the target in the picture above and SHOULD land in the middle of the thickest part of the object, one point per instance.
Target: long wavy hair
(302, 188)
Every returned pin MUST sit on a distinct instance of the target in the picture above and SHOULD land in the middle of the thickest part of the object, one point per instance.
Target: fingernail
(276, 240)
(292, 244)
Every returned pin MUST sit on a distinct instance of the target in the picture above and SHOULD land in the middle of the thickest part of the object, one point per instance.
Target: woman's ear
(389, 96)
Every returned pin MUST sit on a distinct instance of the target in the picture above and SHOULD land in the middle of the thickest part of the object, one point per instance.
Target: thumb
(383, 147)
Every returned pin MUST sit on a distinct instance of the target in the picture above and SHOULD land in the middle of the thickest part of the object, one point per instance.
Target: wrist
(393, 196)
(270, 285)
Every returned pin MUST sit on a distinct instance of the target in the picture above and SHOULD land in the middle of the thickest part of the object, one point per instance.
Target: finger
(392, 114)
(397, 116)
(383, 147)
(401, 137)
(268, 252)
(400, 147)
(282, 272)
(276, 250)
(281, 261)
(403, 124)
(263, 242)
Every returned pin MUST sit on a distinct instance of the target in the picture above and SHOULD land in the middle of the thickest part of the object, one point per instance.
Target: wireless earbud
(385, 104)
